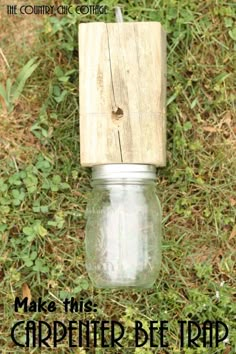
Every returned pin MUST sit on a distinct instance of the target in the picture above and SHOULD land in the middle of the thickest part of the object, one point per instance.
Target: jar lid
(124, 170)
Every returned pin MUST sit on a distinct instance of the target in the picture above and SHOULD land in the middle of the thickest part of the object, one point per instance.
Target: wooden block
(122, 93)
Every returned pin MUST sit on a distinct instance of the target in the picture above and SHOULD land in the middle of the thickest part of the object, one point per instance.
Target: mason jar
(123, 229)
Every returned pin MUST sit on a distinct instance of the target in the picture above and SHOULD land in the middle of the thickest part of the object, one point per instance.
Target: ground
(44, 190)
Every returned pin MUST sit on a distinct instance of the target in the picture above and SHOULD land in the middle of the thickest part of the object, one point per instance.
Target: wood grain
(122, 93)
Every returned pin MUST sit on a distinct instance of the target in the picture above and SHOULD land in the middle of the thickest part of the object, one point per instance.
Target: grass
(44, 190)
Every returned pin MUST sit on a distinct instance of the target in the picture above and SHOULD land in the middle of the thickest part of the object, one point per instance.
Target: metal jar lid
(124, 170)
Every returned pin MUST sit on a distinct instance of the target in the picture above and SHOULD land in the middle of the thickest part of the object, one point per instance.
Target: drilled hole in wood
(117, 113)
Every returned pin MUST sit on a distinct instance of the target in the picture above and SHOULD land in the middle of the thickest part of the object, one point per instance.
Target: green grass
(44, 190)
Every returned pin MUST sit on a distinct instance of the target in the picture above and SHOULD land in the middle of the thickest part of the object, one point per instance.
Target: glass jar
(123, 230)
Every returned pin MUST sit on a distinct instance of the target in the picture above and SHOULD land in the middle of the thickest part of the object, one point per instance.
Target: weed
(11, 92)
